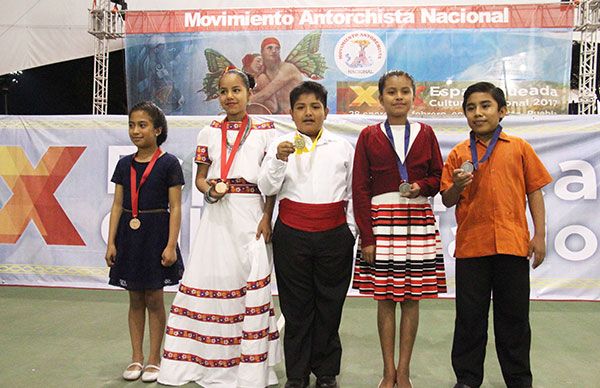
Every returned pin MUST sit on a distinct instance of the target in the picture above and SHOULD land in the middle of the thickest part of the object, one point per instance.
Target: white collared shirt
(398, 132)
(323, 175)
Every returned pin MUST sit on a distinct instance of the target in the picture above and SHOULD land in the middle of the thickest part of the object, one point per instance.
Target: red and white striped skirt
(409, 263)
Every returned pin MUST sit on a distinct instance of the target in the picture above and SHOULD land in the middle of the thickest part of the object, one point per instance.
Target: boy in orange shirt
(488, 178)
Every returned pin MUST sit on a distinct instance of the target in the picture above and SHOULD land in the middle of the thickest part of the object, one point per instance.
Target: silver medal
(404, 187)
(467, 167)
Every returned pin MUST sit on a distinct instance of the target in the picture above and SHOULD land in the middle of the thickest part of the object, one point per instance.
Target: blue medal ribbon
(401, 166)
(488, 151)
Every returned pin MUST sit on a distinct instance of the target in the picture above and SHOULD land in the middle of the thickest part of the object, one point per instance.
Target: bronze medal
(221, 188)
(135, 223)
(404, 187)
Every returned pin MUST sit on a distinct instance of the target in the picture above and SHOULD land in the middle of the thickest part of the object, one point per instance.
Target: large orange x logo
(33, 195)
(364, 95)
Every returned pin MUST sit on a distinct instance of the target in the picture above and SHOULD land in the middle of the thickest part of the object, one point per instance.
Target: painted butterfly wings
(216, 63)
(306, 57)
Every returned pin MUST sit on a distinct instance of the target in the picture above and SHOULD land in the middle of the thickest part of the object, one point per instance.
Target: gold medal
(404, 187)
(221, 188)
(135, 223)
(299, 143)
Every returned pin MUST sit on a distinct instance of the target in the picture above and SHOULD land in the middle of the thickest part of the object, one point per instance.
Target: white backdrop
(61, 167)
(36, 33)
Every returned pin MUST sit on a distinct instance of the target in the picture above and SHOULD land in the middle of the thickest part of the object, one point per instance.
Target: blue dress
(137, 263)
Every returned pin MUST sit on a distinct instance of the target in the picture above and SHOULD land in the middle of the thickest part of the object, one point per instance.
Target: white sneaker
(150, 376)
(131, 375)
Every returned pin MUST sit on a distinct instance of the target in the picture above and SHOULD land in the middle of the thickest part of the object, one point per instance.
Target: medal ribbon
(226, 162)
(314, 144)
(135, 191)
(401, 166)
(488, 151)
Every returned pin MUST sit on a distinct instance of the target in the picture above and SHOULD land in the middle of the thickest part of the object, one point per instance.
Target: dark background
(63, 88)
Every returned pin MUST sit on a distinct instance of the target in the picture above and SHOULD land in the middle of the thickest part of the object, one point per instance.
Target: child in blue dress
(145, 219)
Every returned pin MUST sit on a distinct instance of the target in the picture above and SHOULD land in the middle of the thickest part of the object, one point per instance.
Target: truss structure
(106, 24)
(588, 23)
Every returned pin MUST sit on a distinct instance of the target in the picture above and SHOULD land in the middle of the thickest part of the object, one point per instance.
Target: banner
(176, 57)
(56, 195)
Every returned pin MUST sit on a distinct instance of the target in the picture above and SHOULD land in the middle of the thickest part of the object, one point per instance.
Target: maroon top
(376, 171)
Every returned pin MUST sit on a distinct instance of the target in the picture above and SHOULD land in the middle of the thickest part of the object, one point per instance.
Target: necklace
(244, 136)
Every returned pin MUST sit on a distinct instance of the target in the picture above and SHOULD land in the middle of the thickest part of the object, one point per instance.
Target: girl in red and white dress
(222, 331)
(397, 168)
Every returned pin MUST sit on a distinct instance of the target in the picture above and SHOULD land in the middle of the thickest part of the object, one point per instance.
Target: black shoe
(297, 383)
(461, 385)
(326, 382)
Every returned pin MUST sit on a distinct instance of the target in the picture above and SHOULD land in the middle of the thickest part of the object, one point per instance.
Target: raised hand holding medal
(299, 143)
(463, 176)
(284, 150)
(467, 167)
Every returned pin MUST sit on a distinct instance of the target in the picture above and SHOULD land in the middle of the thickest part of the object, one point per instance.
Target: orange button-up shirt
(490, 213)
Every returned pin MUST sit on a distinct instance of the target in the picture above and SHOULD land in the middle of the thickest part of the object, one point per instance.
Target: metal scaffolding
(588, 23)
(106, 24)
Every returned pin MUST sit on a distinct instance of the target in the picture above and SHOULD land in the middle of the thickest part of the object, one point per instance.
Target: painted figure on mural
(282, 76)
(155, 75)
(277, 77)
(253, 64)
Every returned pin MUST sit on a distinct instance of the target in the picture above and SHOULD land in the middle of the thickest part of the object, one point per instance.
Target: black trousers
(507, 278)
(313, 272)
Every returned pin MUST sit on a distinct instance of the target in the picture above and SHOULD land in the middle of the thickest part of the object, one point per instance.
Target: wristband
(208, 198)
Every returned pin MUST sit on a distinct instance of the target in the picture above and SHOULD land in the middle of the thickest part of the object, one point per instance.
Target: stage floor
(56, 337)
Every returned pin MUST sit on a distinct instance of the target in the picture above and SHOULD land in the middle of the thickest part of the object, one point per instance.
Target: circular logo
(360, 54)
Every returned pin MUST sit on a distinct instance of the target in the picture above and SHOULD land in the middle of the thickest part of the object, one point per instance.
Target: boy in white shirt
(313, 239)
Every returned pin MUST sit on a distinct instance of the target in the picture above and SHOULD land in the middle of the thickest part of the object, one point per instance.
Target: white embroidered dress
(222, 331)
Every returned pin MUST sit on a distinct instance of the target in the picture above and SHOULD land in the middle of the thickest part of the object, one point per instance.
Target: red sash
(312, 217)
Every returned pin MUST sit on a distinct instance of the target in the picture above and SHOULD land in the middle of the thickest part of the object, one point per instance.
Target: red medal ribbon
(135, 192)
(225, 161)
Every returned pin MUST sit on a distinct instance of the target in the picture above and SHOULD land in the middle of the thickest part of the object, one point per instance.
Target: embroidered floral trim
(215, 294)
(260, 283)
(224, 363)
(226, 319)
(258, 310)
(202, 155)
(225, 341)
(225, 294)
(207, 339)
